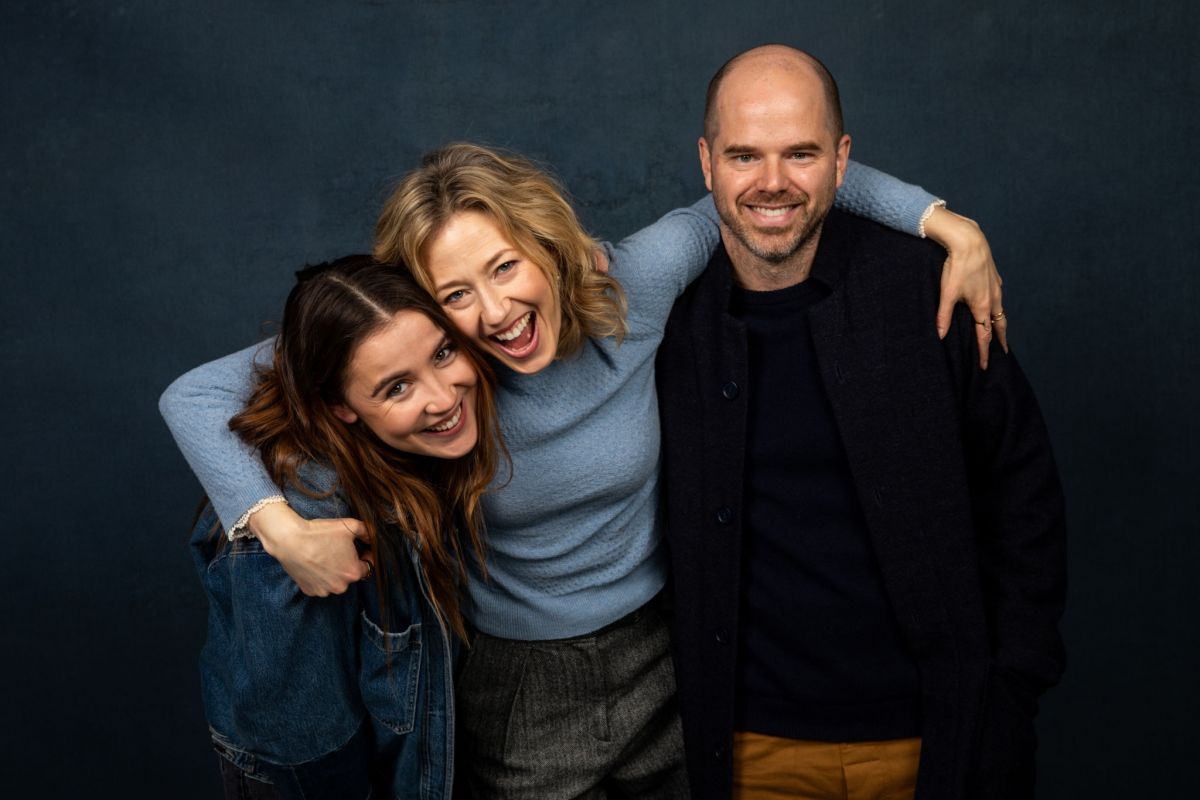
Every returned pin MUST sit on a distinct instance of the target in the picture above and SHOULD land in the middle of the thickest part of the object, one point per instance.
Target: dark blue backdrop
(166, 166)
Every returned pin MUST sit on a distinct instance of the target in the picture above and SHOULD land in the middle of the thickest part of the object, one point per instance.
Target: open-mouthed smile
(519, 339)
(773, 215)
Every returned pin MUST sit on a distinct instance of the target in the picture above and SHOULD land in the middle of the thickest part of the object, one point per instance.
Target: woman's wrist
(931, 210)
(271, 520)
(952, 231)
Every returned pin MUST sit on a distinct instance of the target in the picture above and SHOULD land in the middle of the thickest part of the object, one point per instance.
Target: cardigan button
(724, 515)
(730, 390)
(722, 636)
(719, 753)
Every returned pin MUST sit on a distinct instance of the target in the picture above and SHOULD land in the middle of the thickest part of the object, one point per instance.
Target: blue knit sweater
(576, 536)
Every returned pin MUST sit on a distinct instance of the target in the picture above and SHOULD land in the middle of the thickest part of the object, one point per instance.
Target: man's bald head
(773, 57)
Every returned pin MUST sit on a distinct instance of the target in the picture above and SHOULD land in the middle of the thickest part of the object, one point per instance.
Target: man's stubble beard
(770, 264)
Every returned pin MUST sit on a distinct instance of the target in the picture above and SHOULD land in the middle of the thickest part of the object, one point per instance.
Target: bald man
(866, 527)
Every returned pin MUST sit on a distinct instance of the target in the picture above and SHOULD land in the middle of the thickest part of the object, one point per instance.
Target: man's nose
(771, 178)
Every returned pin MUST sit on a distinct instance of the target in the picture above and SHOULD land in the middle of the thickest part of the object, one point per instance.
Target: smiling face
(494, 292)
(412, 388)
(773, 165)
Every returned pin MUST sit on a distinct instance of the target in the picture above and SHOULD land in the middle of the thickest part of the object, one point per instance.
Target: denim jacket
(309, 693)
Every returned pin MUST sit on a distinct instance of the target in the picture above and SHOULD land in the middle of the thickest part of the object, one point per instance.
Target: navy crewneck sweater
(819, 654)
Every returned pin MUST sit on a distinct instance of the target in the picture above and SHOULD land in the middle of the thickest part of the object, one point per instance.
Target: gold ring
(997, 317)
(370, 570)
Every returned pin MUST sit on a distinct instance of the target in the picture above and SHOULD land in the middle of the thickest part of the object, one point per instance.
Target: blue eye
(454, 297)
(507, 266)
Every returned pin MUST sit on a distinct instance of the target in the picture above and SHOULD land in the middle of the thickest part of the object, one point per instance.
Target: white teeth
(771, 212)
(515, 330)
(448, 424)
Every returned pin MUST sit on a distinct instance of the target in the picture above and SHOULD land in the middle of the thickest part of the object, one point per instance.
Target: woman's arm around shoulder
(319, 554)
(658, 262)
(969, 274)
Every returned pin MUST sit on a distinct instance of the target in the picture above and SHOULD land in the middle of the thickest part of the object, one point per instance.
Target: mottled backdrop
(167, 165)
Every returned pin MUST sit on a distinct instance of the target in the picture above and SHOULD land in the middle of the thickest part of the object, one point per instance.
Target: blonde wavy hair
(531, 209)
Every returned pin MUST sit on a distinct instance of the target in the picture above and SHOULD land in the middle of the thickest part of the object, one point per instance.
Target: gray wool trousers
(587, 718)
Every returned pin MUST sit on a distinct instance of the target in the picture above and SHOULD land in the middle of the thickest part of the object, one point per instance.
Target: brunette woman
(372, 405)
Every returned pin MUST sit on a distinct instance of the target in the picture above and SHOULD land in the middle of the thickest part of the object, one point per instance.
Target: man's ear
(344, 413)
(705, 164)
(843, 157)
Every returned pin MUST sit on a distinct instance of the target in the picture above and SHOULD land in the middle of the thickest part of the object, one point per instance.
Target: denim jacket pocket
(391, 673)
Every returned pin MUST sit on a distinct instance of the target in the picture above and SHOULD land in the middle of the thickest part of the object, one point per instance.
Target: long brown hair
(432, 502)
(532, 210)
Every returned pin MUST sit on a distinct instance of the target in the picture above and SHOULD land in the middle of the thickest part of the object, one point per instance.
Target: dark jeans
(238, 785)
(344, 774)
(586, 718)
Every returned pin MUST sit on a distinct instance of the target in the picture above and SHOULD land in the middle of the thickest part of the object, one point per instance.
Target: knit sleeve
(877, 196)
(197, 407)
(658, 262)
